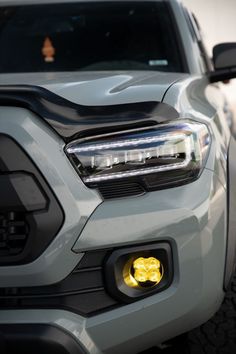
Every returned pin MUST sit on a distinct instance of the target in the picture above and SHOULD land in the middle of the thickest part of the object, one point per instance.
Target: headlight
(157, 157)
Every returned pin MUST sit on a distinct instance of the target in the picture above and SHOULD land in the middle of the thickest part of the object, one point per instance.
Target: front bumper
(191, 218)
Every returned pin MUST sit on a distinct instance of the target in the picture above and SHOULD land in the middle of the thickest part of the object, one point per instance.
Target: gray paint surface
(100, 88)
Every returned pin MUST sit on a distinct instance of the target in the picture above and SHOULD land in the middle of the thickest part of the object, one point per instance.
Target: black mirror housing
(224, 56)
(224, 59)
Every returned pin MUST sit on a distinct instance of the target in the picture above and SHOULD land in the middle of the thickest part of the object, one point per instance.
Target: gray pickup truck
(117, 179)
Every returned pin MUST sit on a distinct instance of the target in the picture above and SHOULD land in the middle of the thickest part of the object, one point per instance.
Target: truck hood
(100, 88)
(81, 104)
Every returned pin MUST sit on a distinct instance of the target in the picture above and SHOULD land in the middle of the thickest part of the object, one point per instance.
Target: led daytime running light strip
(125, 143)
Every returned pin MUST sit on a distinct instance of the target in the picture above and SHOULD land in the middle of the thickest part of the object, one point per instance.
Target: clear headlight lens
(168, 152)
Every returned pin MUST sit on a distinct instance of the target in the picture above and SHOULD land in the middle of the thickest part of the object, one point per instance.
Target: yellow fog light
(144, 272)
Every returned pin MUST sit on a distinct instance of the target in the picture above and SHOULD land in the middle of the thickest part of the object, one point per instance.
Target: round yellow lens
(143, 272)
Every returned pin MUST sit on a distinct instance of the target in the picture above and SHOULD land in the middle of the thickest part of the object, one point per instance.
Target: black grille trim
(121, 190)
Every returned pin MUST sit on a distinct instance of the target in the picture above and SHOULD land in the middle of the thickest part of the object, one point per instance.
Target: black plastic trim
(231, 209)
(20, 190)
(222, 75)
(37, 339)
(82, 291)
(121, 189)
(71, 120)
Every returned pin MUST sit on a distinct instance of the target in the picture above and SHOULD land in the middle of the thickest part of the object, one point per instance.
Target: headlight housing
(158, 157)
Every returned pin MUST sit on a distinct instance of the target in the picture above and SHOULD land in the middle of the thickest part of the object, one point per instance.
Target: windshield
(88, 36)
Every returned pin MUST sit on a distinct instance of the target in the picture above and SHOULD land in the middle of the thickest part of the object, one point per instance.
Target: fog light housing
(136, 272)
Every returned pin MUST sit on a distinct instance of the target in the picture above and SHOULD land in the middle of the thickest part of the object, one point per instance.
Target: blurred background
(218, 21)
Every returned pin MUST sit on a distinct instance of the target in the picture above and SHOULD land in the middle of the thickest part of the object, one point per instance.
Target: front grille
(14, 232)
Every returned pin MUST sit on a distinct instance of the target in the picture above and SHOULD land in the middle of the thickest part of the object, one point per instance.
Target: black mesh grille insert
(14, 233)
(121, 190)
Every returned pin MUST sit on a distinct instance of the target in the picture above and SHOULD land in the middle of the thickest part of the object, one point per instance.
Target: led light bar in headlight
(168, 152)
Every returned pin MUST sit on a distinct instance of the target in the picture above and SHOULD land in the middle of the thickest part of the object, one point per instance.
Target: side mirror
(224, 60)
(224, 56)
